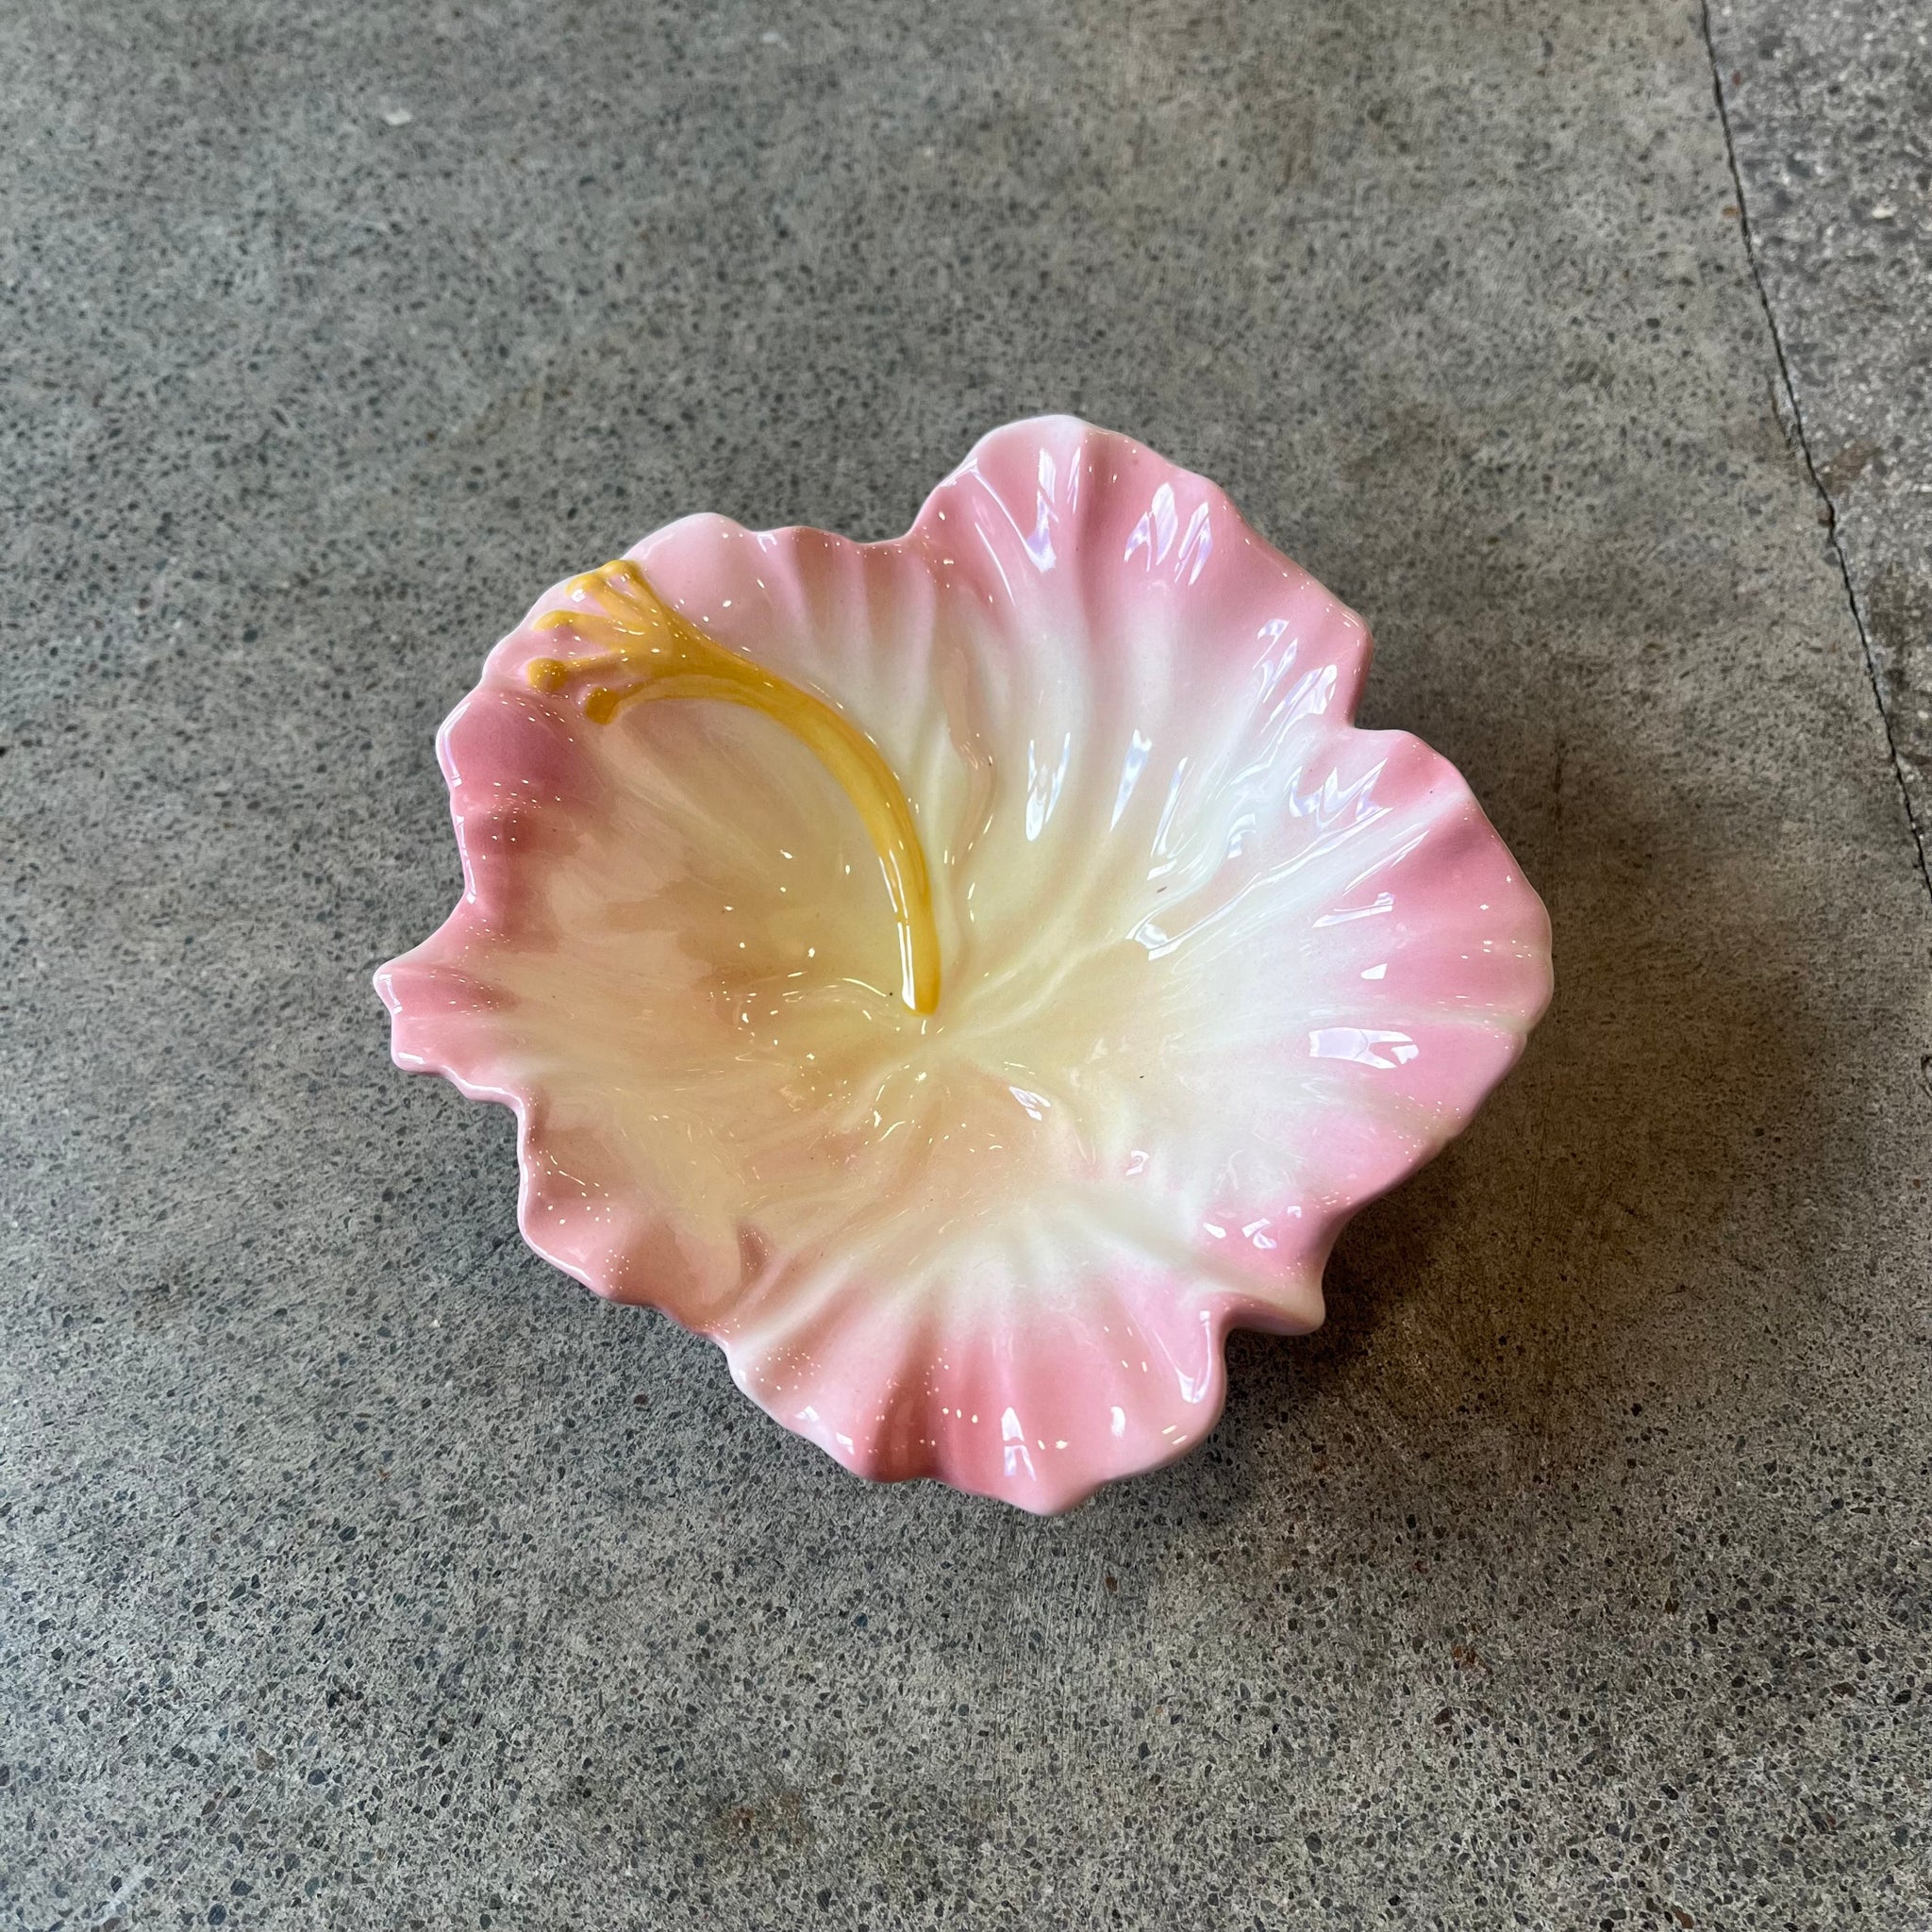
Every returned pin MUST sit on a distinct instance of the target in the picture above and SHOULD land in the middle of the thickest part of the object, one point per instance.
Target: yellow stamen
(652, 651)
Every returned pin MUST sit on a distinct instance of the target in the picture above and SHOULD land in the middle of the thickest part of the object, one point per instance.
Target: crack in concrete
(1803, 443)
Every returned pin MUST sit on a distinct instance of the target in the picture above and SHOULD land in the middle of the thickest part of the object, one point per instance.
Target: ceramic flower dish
(1218, 966)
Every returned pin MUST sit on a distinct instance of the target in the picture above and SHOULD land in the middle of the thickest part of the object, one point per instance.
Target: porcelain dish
(1218, 965)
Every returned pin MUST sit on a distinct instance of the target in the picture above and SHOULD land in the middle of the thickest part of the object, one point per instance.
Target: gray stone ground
(1829, 106)
(357, 1570)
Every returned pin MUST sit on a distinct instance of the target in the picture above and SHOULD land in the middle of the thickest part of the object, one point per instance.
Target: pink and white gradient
(1219, 967)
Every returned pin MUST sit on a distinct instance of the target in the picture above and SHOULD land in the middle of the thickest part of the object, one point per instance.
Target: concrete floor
(357, 1570)
(1829, 106)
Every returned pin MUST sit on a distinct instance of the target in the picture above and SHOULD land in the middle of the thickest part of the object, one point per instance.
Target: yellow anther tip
(546, 673)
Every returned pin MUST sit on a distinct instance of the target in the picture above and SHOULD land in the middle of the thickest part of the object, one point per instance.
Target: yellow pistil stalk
(650, 652)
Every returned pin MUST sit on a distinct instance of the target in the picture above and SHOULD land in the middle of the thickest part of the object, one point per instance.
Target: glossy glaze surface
(1218, 966)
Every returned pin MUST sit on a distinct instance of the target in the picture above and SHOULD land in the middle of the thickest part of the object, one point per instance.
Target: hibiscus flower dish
(965, 976)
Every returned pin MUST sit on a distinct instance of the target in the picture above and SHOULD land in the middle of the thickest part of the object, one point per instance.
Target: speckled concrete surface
(1829, 106)
(356, 1570)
